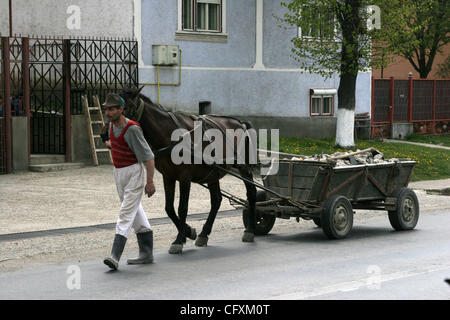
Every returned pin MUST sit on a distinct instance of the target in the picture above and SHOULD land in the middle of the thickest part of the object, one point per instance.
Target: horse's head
(131, 97)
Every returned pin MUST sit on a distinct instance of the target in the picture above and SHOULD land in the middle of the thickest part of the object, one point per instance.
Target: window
(322, 102)
(202, 20)
(202, 15)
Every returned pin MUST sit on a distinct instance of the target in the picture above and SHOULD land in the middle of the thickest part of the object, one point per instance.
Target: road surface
(375, 262)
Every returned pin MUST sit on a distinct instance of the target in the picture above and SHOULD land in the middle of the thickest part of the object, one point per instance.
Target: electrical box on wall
(165, 55)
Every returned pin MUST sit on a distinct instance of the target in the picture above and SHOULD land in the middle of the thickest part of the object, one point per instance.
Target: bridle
(137, 111)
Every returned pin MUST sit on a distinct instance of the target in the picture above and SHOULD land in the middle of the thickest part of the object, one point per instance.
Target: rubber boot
(145, 242)
(116, 252)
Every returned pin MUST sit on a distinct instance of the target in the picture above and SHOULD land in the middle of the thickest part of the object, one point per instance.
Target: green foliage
(334, 35)
(432, 163)
(414, 29)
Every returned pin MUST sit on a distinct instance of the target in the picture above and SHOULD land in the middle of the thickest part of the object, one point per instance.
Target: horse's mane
(131, 92)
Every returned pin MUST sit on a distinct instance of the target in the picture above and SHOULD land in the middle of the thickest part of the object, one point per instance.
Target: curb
(107, 226)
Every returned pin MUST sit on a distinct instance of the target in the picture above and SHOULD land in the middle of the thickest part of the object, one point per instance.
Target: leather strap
(140, 110)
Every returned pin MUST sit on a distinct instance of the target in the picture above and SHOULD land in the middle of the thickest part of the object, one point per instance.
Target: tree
(335, 38)
(414, 29)
(444, 69)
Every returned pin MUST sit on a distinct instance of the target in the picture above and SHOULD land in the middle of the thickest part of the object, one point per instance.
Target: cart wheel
(317, 222)
(407, 213)
(264, 222)
(337, 217)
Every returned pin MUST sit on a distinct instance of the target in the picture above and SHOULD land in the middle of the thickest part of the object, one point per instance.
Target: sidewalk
(430, 185)
(85, 197)
(32, 201)
(417, 144)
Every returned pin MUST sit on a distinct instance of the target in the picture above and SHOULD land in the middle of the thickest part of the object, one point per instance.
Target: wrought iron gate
(101, 66)
(42, 72)
(47, 96)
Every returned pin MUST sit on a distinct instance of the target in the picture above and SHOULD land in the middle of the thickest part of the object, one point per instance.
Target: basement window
(322, 102)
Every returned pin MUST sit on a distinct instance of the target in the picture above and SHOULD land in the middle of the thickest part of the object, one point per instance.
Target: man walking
(134, 166)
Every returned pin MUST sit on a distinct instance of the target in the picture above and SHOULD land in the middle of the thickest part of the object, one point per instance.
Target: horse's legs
(177, 245)
(251, 198)
(216, 199)
(169, 188)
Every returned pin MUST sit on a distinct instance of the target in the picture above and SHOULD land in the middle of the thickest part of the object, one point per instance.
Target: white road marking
(358, 284)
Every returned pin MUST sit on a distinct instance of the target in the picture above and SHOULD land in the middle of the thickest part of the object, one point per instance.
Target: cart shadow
(317, 236)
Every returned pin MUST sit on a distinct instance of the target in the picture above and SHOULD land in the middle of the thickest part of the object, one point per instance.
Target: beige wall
(401, 67)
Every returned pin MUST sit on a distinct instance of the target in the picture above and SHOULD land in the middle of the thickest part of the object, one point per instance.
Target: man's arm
(150, 186)
(136, 141)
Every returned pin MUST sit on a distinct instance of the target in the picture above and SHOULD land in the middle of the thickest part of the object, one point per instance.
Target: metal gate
(45, 79)
(3, 154)
(101, 66)
(46, 66)
(423, 102)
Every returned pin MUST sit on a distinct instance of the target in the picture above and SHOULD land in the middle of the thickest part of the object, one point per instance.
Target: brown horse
(158, 125)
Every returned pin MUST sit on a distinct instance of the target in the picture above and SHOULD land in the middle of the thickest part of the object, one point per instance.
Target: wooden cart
(326, 194)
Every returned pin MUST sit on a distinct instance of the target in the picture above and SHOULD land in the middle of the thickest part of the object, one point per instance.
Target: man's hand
(108, 144)
(150, 189)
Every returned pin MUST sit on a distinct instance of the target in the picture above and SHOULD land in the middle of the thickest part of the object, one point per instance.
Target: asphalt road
(373, 263)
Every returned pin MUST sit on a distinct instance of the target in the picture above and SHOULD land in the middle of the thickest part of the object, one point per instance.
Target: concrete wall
(301, 127)
(19, 143)
(109, 18)
(81, 147)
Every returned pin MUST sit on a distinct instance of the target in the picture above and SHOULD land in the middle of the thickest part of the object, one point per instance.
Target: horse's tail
(251, 146)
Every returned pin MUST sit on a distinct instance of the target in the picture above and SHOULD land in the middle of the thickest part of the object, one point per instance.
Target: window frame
(221, 17)
(321, 106)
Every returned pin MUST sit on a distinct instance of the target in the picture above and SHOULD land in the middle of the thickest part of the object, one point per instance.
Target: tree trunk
(351, 29)
(346, 111)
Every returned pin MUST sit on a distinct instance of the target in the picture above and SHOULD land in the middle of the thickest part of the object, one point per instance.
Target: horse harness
(206, 120)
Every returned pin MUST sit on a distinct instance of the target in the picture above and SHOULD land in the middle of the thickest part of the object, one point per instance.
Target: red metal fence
(423, 102)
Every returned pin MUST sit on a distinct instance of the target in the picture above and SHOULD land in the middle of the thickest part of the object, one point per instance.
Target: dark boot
(116, 252)
(145, 242)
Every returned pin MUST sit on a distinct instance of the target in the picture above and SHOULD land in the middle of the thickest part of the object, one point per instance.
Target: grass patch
(432, 163)
(443, 139)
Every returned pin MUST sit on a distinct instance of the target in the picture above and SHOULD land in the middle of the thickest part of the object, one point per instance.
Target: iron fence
(423, 102)
(44, 79)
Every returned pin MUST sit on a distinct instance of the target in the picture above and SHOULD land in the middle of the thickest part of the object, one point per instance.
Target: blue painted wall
(222, 72)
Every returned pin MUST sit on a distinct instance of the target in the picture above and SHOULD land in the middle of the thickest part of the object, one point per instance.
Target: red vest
(122, 155)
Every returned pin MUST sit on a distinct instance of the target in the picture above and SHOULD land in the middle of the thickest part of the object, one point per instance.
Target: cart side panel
(345, 183)
(378, 182)
(294, 179)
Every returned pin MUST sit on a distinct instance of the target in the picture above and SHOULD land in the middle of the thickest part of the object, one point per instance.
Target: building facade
(233, 54)
(243, 65)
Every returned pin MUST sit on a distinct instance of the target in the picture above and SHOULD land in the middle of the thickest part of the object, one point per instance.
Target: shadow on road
(316, 235)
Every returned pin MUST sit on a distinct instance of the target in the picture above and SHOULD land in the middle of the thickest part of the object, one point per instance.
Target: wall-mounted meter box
(165, 55)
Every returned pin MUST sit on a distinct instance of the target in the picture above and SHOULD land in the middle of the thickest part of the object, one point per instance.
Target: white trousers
(130, 183)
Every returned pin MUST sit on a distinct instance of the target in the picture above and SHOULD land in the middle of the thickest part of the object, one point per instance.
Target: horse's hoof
(248, 237)
(193, 234)
(201, 241)
(176, 248)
